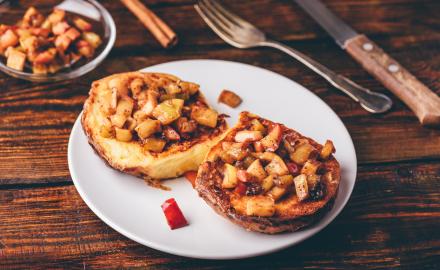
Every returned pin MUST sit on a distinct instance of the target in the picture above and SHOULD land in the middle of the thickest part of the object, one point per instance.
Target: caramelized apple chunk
(204, 116)
(230, 176)
(262, 206)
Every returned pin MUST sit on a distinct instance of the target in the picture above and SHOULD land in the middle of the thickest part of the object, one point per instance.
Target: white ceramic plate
(132, 208)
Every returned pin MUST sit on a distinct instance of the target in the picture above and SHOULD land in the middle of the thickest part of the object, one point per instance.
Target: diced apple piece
(150, 103)
(257, 126)
(301, 187)
(277, 166)
(288, 146)
(83, 25)
(284, 181)
(277, 192)
(123, 135)
(29, 43)
(302, 153)
(46, 56)
(136, 87)
(204, 116)
(154, 144)
(9, 38)
(32, 17)
(258, 147)
(186, 126)
(189, 87)
(245, 177)
(84, 48)
(257, 170)
(236, 151)
(120, 84)
(248, 136)
(261, 206)
(173, 89)
(327, 150)
(39, 68)
(272, 140)
(310, 167)
(56, 16)
(41, 32)
(313, 180)
(267, 183)
(123, 111)
(92, 38)
(60, 28)
(168, 111)
(171, 134)
(62, 42)
(125, 106)
(148, 128)
(229, 98)
(72, 33)
(230, 176)
(16, 59)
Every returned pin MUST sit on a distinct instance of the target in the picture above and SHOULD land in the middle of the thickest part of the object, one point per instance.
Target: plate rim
(170, 250)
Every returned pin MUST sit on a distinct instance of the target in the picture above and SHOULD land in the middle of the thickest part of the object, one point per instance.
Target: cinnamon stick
(160, 30)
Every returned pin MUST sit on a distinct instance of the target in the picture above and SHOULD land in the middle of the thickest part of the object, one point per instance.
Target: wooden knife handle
(419, 98)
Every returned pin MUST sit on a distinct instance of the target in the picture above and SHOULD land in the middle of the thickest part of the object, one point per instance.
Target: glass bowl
(12, 11)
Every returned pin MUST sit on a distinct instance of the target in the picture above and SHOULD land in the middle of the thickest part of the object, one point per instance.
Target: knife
(419, 98)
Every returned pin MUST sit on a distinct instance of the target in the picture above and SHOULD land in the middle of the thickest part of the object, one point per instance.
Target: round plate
(132, 208)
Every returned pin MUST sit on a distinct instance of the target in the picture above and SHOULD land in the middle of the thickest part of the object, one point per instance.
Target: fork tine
(221, 33)
(233, 17)
(217, 13)
(207, 9)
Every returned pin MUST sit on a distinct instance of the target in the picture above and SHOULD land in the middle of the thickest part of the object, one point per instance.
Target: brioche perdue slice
(132, 157)
(286, 212)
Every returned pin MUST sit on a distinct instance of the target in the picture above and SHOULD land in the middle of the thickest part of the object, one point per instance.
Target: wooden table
(391, 221)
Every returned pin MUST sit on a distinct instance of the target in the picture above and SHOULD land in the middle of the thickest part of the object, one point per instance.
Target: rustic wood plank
(35, 119)
(391, 220)
(286, 20)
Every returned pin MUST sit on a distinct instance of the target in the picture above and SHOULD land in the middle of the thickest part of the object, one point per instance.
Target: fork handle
(369, 100)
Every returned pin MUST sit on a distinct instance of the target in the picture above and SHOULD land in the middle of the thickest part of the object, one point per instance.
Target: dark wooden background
(391, 221)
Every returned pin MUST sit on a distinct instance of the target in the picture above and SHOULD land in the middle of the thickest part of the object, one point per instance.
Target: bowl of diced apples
(53, 40)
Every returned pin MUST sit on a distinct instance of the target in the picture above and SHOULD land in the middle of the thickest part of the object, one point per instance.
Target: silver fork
(241, 34)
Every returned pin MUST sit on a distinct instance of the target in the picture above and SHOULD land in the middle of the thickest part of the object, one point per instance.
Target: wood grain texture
(391, 221)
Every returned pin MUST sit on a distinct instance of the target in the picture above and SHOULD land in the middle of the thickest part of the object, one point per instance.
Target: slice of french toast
(151, 125)
(269, 178)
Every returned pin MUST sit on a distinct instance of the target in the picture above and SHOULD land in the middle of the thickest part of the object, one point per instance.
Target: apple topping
(248, 136)
(230, 176)
(310, 167)
(229, 98)
(272, 140)
(168, 111)
(327, 150)
(277, 166)
(147, 128)
(154, 144)
(302, 153)
(256, 170)
(261, 206)
(204, 116)
(301, 187)
(123, 135)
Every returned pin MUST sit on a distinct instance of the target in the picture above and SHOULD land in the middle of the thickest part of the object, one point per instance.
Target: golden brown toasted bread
(149, 124)
(268, 178)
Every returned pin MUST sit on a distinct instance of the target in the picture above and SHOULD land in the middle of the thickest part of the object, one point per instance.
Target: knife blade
(417, 96)
(339, 30)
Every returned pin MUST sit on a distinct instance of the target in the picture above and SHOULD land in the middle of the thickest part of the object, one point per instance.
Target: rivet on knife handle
(419, 98)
